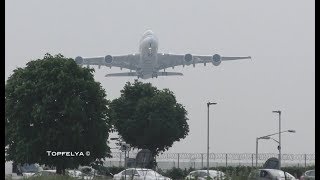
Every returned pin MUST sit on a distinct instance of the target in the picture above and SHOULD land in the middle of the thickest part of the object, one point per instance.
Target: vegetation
(176, 173)
(296, 170)
(107, 171)
(54, 105)
(148, 118)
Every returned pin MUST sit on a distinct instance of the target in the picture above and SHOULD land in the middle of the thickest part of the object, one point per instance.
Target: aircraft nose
(149, 41)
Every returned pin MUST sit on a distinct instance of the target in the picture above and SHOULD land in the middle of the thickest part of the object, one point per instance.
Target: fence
(199, 160)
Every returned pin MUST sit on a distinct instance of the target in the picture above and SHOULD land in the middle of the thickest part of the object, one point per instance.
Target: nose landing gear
(140, 75)
(154, 74)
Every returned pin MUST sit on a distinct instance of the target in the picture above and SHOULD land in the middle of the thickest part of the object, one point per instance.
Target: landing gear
(155, 74)
(140, 76)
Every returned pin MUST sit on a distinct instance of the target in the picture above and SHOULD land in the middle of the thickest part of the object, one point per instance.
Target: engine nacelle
(79, 60)
(108, 59)
(188, 59)
(216, 59)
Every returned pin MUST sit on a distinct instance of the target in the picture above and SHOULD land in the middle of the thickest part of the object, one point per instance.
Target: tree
(54, 105)
(148, 118)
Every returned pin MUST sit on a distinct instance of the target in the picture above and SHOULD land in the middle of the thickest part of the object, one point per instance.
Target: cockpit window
(147, 33)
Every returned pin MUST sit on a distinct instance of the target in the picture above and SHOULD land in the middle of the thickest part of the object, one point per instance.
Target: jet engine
(216, 59)
(188, 58)
(108, 59)
(79, 60)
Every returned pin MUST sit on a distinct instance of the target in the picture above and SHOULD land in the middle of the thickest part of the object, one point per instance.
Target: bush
(107, 171)
(297, 171)
(175, 173)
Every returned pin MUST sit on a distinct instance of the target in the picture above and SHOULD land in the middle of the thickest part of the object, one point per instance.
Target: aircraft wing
(130, 61)
(172, 60)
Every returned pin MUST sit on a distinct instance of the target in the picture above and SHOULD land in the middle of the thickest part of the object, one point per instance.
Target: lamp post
(279, 147)
(208, 104)
(268, 137)
(257, 139)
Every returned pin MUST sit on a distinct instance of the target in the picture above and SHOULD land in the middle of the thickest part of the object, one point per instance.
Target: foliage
(102, 170)
(296, 170)
(241, 172)
(148, 118)
(54, 105)
(175, 173)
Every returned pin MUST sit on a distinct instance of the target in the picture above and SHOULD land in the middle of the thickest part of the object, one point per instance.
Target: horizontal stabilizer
(122, 74)
(169, 74)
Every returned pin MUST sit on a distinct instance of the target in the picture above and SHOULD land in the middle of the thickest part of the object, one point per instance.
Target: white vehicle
(74, 173)
(139, 174)
(45, 173)
(148, 62)
(202, 175)
(263, 174)
(308, 175)
(29, 170)
(80, 175)
(27, 174)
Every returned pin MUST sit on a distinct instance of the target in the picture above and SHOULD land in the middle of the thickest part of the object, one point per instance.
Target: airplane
(148, 62)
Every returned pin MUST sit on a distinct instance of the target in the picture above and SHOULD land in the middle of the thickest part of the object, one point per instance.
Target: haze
(279, 35)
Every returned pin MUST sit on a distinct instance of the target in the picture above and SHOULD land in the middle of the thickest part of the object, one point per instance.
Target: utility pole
(208, 104)
(279, 147)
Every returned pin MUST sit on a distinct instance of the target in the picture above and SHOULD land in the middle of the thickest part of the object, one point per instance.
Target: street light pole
(208, 104)
(279, 147)
(269, 137)
(257, 152)
(125, 164)
(257, 140)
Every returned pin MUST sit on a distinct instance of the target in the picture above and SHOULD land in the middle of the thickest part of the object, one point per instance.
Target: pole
(305, 160)
(178, 159)
(279, 139)
(208, 104)
(252, 160)
(226, 160)
(208, 142)
(125, 164)
(279, 146)
(201, 161)
(257, 152)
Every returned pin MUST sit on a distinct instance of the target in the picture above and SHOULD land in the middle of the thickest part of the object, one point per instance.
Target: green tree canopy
(54, 105)
(148, 118)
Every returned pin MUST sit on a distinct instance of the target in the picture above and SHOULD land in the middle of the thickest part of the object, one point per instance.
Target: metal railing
(198, 160)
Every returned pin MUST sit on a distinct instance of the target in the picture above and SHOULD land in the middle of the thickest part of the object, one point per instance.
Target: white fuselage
(148, 49)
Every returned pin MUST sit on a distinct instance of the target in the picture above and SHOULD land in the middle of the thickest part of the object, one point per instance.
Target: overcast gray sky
(279, 35)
